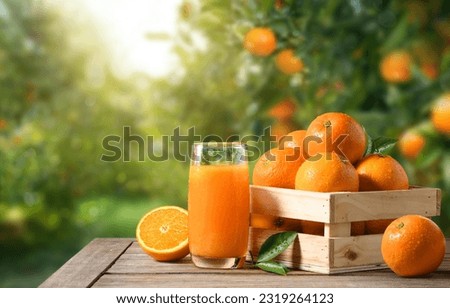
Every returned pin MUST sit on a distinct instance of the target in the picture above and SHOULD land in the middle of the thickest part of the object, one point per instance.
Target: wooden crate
(336, 251)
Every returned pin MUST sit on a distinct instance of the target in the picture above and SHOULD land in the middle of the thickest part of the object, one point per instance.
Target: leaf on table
(273, 267)
(275, 245)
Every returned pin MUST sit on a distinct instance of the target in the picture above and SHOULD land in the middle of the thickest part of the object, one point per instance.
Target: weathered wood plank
(83, 269)
(243, 280)
(140, 263)
(121, 263)
(370, 205)
(342, 207)
(294, 203)
(134, 249)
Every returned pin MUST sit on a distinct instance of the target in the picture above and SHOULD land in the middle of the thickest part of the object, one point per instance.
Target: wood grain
(371, 205)
(120, 263)
(337, 251)
(265, 280)
(83, 269)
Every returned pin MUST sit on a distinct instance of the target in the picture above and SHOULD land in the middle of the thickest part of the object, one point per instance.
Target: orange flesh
(169, 234)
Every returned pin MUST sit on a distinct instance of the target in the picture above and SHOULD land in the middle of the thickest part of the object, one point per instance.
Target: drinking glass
(218, 202)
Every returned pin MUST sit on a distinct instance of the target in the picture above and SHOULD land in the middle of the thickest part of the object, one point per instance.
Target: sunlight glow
(125, 25)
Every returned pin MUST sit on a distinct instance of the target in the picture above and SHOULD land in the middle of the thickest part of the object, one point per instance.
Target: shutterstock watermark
(131, 147)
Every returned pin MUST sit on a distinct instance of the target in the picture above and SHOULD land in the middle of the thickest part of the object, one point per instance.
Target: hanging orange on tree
(260, 41)
(395, 67)
(288, 63)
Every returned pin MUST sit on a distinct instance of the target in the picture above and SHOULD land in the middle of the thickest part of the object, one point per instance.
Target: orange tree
(58, 100)
(384, 62)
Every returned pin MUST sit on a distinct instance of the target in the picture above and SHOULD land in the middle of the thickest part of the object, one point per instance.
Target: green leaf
(382, 145)
(369, 146)
(397, 35)
(267, 6)
(275, 245)
(273, 267)
(426, 161)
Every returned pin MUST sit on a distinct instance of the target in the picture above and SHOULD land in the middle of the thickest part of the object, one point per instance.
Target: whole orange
(395, 67)
(377, 226)
(260, 41)
(280, 129)
(336, 132)
(358, 228)
(431, 70)
(411, 144)
(312, 227)
(440, 114)
(317, 228)
(288, 63)
(326, 172)
(3, 124)
(381, 172)
(274, 223)
(413, 245)
(294, 139)
(283, 110)
(278, 167)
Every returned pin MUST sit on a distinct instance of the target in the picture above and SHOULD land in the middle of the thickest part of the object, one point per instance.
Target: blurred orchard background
(73, 73)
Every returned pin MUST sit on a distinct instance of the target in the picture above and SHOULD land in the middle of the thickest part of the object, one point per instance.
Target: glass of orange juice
(218, 204)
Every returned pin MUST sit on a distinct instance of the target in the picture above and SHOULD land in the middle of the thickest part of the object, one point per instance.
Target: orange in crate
(337, 250)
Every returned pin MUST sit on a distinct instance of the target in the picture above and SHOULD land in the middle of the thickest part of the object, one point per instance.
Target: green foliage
(271, 248)
(342, 44)
(59, 99)
(379, 145)
(94, 217)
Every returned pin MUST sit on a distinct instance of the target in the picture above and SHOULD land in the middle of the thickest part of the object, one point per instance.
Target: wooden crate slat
(326, 255)
(387, 204)
(357, 251)
(337, 251)
(344, 207)
(295, 204)
(306, 249)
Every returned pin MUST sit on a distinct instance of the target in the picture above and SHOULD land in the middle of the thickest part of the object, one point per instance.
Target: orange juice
(218, 210)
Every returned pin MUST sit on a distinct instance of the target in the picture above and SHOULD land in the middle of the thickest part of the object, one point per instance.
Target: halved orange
(163, 233)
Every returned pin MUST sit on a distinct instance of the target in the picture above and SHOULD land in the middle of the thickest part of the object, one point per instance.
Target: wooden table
(119, 262)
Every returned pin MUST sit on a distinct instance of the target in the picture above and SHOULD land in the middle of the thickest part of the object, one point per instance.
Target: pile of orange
(329, 156)
(332, 157)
